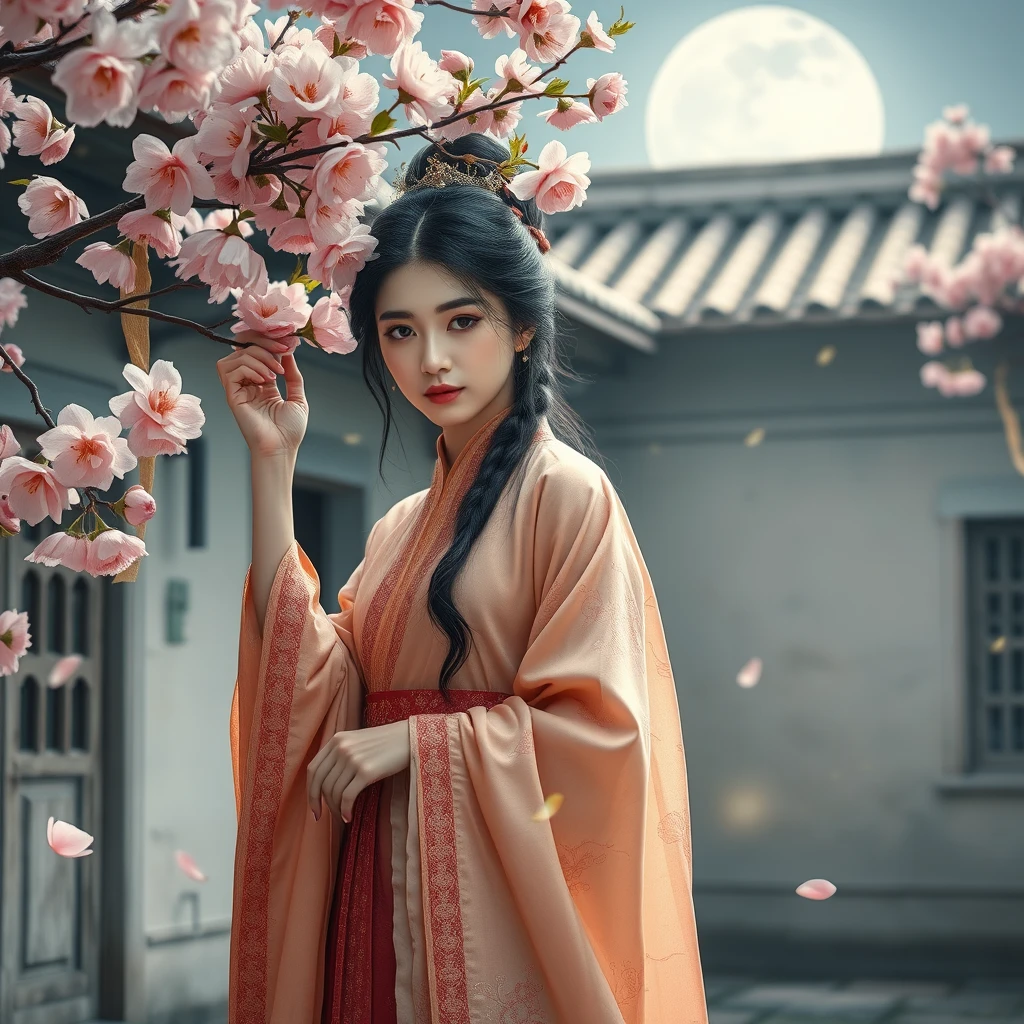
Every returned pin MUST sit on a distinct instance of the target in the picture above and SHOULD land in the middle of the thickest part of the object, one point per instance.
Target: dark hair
(473, 234)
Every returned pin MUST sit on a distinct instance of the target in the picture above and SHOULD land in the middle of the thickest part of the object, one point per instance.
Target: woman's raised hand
(270, 424)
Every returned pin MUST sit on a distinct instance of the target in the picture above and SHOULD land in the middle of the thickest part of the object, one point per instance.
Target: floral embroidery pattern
(627, 982)
(267, 752)
(675, 828)
(521, 1004)
(575, 860)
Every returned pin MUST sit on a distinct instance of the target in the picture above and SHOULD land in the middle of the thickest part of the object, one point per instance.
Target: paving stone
(968, 1003)
(810, 1000)
(899, 989)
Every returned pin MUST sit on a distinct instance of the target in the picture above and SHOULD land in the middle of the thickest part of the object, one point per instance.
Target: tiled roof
(775, 244)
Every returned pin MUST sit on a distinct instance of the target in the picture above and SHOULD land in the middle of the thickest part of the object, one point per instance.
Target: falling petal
(188, 865)
(998, 645)
(754, 438)
(826, 355)
(67, 840)
(64, 670)
(750, 674)
(550, 808)
(816, 889)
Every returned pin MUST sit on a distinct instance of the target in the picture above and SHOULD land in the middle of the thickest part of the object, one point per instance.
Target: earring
(526, 358)
(392, 387)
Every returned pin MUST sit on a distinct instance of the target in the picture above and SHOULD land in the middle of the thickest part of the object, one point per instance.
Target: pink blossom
(216, 220)
(9, 522)
(63, 670)
(962, 384)
(223, 261)
(226, 133)
(198, 36)
(139, 505)
(159, 417)
(38, 133)
(245, 78)
(169, 179)
(455, 62)
(5, 141)
(15, 640)
(489, 27)
(8, 101)
(278, 313)
(175, 93)
(982, 322)
(350, 171)
(33, 490)
(251, 37)
(109, 263)
(247, 192)
(50, 206)
(101, 81)
(816, 889)
(8, 442)
(21, 18)
(956, 114)
(295, 234)
(955, 332)
(16, 356)
(383, 25)
(999, 160)
(66, 840)
(12, 300)
(305, 82)
(112, 552)
(607, 94)
(914, 263)
(567, 114)
(750, 674)
(518, 74)
(62, 548)
(155, 229)
(546, 29)
(336, 265)
(481, 122)
(594, 35)
(560, 182)
(930, 338)
(330, 327)
(188, 866)
(327, 221)
(85, 451)
(422, 86)
(920, 193)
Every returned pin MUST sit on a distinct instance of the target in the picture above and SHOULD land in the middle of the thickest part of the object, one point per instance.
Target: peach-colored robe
(497, 917)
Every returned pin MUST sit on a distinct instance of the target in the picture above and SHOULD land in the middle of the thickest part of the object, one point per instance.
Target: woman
(499, 646)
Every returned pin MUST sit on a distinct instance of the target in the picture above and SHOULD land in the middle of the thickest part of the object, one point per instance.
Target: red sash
(359, 981)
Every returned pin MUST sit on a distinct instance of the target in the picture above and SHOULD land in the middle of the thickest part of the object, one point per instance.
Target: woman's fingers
(260, 355)
(346, 783)
(261, 341)
(318, 770)
(336, 772)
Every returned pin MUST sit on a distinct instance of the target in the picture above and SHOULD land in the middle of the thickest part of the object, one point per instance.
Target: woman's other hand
(352, 760)
(270, 424)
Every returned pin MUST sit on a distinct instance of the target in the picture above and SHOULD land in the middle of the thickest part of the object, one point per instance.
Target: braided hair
(492, 242)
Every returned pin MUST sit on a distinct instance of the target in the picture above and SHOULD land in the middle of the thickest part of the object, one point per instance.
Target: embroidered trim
(267, 753)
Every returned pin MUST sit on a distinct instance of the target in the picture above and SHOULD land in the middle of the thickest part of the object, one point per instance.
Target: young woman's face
(432, 331)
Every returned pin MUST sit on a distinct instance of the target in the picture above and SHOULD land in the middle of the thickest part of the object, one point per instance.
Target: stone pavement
(735, 1000)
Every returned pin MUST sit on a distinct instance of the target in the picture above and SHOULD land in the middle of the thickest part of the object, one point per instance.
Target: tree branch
(1011, 421)
(24, 378)
(492, 13)
(87, 302)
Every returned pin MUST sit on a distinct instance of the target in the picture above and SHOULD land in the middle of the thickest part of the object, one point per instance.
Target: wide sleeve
(590, 911)
(296, 685)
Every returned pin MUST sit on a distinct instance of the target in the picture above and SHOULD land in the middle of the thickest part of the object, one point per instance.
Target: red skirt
(359, 981)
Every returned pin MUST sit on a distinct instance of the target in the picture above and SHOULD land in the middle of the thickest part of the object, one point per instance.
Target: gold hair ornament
(440, 174)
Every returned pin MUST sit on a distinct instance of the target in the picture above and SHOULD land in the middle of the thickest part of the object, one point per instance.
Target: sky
(924, 54)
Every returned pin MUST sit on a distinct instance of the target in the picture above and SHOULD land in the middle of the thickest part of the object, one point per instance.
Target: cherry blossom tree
(986, 286)
(286, 140)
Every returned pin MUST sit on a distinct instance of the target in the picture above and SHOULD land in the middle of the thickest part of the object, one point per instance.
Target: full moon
(763, 85)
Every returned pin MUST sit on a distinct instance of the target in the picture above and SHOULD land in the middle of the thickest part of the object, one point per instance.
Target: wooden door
(50, 746)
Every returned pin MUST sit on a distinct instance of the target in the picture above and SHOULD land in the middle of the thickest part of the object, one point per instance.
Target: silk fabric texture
(587, 916)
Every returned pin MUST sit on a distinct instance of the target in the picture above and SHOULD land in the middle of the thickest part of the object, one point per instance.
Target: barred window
(995, 633)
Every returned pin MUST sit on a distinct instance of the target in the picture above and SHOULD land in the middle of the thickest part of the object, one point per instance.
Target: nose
(435, 355)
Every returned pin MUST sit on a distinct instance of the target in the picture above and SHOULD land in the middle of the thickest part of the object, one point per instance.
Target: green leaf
(274, 132)
(556, 87)
(382, 122)
(20, 181)
(621, 27)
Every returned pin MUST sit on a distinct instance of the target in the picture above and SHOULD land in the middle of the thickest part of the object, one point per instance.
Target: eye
(465, 316)
(390, 333)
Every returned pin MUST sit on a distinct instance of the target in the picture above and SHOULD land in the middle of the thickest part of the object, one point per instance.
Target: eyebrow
(401, 314)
